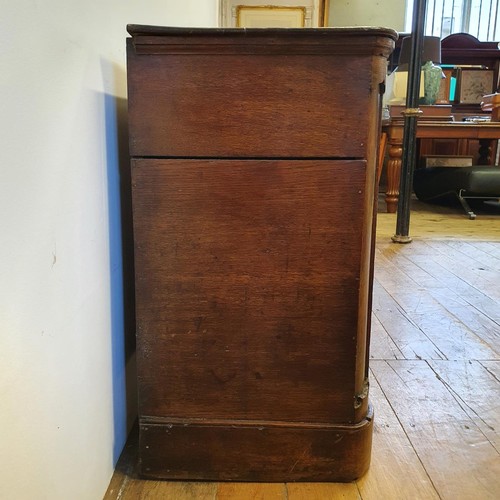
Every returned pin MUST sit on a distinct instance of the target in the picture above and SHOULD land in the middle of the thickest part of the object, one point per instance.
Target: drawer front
(249, 105)
(247, 287)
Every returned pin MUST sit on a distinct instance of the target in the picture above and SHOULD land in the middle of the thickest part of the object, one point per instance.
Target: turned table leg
(393, 174)
(484, 152)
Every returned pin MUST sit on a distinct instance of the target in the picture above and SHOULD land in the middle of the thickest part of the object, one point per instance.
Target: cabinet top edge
(137, 30)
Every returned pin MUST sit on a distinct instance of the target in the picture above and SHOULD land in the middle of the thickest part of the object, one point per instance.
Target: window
(480, 18)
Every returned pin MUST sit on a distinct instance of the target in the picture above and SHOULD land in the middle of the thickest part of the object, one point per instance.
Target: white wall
(385, 13)
(62, 90)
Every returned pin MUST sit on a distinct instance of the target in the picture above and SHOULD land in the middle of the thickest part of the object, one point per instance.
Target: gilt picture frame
(273, 14)
(269, 16)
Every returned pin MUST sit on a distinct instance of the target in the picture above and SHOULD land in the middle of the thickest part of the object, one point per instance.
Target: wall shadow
(121, 259)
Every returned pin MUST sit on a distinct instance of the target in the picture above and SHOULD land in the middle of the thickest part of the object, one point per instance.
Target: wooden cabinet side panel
(248, 105)
(247, 284)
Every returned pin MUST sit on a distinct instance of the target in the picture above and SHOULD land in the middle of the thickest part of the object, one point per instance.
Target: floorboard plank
(493, 368)
(460, 461)
(395, 472)
(136, 489)
(381, 344)
(476, 321)
(476, 254)
(406, 335)
(402, 263)
(453, 338)
(482, 278)
(320, 491)
(483, 327)
(490, 247)
(433, 221)
(251, 491)
(475, 389)
(476, 298)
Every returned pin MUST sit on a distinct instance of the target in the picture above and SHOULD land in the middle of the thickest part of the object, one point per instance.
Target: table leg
(393, 174)
(484, 152)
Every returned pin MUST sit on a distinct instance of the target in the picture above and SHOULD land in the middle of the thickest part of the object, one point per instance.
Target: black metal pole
(410, 123)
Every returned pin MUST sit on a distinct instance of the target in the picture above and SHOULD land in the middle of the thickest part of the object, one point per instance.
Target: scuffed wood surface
(437, 418)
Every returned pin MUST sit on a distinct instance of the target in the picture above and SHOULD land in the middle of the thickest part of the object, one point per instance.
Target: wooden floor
(435, 374)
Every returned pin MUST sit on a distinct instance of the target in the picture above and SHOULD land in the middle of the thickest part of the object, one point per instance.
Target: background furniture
(462, 182)
(433, 129)
(464, 49)
(459, 48)
(491, 104)
(253, 164)
(456, 49)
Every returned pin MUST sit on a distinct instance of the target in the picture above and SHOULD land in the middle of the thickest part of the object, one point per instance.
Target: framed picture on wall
(273, 14)
(269, 16)
(472, 84)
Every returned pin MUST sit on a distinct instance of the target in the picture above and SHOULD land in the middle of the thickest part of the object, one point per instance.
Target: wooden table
(484, 132)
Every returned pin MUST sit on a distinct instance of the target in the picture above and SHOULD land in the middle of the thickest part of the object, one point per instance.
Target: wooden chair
(491, 102)
(381, 155)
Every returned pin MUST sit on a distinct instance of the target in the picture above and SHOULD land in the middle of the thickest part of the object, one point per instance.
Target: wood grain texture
(408, 463)
(254, 451)
(280, 93)
(382, 346)
(423, 310)
(225, 285)
(246, 290)
(448, 443)
(474, 388)
(253, 180)
(396, 472)
(330, 491)
(169, 116)
(168, 490)
(251, 491)
(412, 342)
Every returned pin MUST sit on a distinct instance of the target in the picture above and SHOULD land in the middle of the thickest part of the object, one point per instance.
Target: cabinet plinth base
(254, 451)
